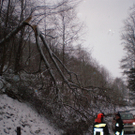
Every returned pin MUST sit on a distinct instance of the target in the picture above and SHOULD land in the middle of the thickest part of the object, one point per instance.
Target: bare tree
(11, 16)
(67, 30)
(128, 38)
(128, 42)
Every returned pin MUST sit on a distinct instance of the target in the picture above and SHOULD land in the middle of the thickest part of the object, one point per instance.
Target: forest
(43, 63)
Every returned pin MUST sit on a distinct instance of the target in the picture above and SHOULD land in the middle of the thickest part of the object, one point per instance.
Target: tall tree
(128, 42)
(67, 30)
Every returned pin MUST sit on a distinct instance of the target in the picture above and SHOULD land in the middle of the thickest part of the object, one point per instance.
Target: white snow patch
(15, 114)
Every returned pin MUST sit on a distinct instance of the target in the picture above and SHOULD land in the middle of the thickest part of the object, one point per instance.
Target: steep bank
(15, 114)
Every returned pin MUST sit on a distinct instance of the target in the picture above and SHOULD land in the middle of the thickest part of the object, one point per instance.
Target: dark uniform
(100, 127)
(119, 126)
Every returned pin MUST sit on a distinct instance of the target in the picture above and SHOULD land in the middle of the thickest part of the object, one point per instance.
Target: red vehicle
(129, 122)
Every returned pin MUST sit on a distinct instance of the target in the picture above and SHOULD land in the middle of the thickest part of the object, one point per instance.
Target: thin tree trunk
(19, 50)
(3, 58)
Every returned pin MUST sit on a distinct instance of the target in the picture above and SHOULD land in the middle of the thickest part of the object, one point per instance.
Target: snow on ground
(15, 114)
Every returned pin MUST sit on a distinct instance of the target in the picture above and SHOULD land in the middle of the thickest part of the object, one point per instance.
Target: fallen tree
(82, 101)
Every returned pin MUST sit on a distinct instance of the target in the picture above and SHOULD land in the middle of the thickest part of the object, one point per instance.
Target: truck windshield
(127, 116)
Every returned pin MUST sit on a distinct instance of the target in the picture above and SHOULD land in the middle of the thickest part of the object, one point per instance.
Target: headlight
(134, 123)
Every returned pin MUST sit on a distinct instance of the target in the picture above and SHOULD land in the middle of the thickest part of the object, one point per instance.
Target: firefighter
(100, 127)
(119, 126)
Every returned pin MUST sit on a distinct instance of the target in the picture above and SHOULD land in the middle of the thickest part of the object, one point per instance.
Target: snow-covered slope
(15, 114)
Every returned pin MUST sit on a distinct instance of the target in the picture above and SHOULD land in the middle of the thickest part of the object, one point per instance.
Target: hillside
(15, 114)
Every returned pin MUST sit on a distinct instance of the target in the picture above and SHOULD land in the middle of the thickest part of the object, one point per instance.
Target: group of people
(101, 128)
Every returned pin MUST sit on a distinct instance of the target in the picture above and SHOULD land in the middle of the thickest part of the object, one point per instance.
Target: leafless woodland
(44, 64)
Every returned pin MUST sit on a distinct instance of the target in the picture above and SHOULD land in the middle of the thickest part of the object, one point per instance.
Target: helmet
(118, 114)
(100, 115)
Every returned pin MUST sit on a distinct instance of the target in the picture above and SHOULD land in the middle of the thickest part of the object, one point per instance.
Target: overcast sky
(104, 19)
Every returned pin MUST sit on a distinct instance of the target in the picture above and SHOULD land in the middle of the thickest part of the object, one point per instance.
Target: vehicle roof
(124, 111)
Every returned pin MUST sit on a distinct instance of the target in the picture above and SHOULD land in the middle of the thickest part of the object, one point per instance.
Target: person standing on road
(119, 126)
(100, 127)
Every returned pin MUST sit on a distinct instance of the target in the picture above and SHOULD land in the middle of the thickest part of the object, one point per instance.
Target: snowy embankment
(15, 114)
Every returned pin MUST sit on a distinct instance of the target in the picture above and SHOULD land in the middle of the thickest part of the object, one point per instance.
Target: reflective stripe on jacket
(119, 127)
(99, 129)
